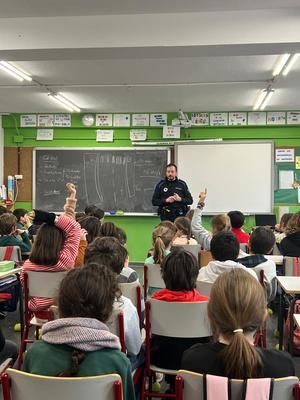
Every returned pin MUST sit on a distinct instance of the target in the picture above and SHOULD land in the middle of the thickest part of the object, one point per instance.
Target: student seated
(225, 249)
(237, 220)
(109, 229)
(261, 242)
(290, 245)
(162, 240)
(94, 211)
(8, 349)
(109, 252)
(92, 225)
(184, 232)
(219, 223)
(23, 221)
(281, 227)
(236, 309)
(179, 271)
(79, 342)
(56, 245)
(170, 226)
(11, 236)
(3, 210)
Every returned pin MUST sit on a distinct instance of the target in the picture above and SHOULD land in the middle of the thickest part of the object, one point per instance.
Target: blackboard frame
(110, 148)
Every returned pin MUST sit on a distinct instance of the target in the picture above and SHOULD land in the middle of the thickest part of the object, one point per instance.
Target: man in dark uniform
(172, 196)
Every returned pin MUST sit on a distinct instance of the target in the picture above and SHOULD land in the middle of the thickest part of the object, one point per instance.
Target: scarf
(86, 334)
(180, 295)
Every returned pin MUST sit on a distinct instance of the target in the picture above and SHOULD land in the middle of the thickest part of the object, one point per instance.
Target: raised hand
(202, 196)
(71, 189)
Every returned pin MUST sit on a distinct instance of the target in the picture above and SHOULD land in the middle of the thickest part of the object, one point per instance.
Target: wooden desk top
(10, 273)
(290, 284)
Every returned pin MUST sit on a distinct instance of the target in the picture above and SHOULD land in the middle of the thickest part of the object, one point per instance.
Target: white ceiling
(148, 55)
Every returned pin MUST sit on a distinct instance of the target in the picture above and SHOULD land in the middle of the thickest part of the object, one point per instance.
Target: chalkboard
(112, 179)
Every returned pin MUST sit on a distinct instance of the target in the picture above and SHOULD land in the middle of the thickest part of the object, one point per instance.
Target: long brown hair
(293, 224)
(183, 224)
(237, 301)
(47, 245)
(161, 238)
(220, 222)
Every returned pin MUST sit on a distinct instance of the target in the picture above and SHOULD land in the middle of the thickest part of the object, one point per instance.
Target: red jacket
(241, 236)
(182, 296)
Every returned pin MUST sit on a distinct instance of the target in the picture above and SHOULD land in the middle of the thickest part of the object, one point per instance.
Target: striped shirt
(66, 260)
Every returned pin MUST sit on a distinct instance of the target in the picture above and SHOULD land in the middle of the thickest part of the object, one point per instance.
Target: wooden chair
(133, 291)
(152, 278)
(37, 284)
(191, 248)
(172, 319)
(191, 386)
(19, 385)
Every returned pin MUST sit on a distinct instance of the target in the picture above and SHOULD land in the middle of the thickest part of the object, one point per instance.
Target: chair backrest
(44, 284)
(191, 248)
(178, 319)
(193, 387)
(19, 385)
(244, 247)
(204, 288)
(205, 258)
(116, 326)
(133, 291)
(15, 254)
(291, 266)
(152, 277)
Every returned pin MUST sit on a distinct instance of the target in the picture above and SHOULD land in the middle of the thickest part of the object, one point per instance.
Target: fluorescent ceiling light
(15, 72)
(267, 99)
(281, 61)
(260, 98)
(64, 102)
(290, 63)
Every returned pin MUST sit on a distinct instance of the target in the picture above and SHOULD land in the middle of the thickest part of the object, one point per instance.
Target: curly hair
(293, 224)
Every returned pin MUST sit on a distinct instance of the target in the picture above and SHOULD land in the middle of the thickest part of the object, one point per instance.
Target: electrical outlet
(18, 177)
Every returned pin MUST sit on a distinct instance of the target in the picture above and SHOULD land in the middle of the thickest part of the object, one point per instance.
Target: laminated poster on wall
(138, 134)
(103, 119)
(276, 118)
(237, 118)
(62, 120)
(105, 135)
(200, 118)
(298, 162)
(158, 119)
(293, 117)
(286, 179)
(44, 134)
(171, 132)
(140, 119)
(218, 119)
(46, 120)
(28, 120)
(284, 155)
(257, 118)
(122, 120)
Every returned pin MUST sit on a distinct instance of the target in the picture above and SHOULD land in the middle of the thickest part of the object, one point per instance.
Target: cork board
(18, 160)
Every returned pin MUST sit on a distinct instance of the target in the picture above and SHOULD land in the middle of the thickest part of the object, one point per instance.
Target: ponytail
(237, 306)
(77, 357)
(159, 250)
(241, 359)
(162, 237)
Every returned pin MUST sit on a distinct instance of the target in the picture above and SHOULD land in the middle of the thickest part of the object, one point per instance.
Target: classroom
(121, 100)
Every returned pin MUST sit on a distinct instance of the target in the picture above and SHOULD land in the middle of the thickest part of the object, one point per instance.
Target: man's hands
(202, 196)
(173, 198)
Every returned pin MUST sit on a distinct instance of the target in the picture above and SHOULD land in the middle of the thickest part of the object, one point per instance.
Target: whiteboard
(237, 175)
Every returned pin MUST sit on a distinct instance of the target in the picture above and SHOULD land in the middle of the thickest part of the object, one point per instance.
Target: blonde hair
(293, 224)
(162, 237)
(220, 222)
(237, 302)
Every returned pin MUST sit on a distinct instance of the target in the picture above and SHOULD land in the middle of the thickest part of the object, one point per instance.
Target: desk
(278, 259)
(6, 274)
(289, 285)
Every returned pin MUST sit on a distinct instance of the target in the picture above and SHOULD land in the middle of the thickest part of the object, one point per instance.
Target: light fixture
(267, 99)
(15, 72)
(263, 98)
(64, 102)
(281, 61)
(290, 63)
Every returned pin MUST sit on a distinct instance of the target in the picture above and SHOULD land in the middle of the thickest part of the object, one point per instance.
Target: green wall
(139, 229)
